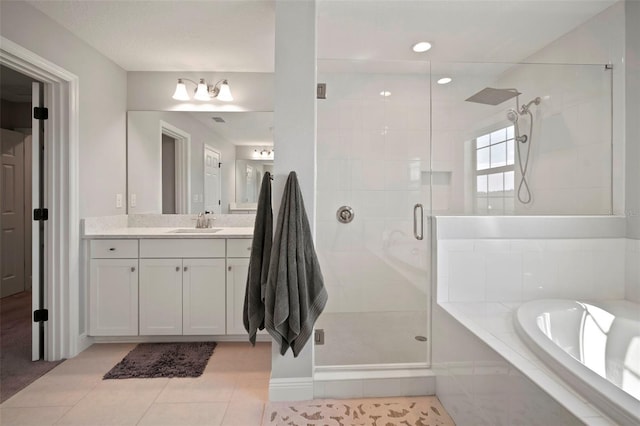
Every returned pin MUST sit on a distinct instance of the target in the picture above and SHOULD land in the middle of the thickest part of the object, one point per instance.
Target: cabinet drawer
(176, 248)
(239, 247)
(114, 249)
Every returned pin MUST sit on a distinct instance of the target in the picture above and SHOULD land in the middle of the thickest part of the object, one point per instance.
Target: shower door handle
(415, 222)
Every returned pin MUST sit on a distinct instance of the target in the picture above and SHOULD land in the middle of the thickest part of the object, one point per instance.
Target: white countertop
(165, 232)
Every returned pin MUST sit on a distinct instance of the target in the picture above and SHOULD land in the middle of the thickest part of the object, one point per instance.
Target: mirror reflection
(191, 162)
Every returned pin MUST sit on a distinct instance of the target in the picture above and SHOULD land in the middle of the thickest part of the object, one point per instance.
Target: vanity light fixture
(444, 80)
(264, 152)
(385, 93)
(421, 46)
(204, 91)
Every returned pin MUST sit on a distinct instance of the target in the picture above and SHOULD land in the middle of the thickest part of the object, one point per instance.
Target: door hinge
(321, 91)
(40, 113)
(41, 214)
(41, 315)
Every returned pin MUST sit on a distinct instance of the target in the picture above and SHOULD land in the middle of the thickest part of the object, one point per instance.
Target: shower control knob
(345, 214)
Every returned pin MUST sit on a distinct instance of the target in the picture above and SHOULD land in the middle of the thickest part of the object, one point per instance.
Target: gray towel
(253, 310)
(295, 294)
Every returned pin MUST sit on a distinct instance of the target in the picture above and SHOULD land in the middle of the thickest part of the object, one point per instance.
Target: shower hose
(526, 198)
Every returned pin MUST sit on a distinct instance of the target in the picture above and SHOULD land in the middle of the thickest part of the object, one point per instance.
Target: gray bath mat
(148, 360)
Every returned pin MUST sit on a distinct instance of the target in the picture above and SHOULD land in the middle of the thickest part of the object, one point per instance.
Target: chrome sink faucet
(202, 221)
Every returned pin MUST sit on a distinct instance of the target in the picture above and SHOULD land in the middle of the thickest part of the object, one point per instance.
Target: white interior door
(12, 208)
(212, 199)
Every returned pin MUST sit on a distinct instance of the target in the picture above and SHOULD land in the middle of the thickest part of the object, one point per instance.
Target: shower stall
(397, 148)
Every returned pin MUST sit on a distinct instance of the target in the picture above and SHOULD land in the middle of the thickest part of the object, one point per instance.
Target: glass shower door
(373, 156)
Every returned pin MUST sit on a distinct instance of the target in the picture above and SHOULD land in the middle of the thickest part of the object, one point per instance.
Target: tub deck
(492, 322)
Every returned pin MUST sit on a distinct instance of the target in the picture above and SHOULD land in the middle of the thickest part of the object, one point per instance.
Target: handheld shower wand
(513, 115)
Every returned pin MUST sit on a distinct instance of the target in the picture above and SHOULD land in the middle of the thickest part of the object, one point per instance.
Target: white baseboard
(84, 342)
(374, 383)
(291, 389)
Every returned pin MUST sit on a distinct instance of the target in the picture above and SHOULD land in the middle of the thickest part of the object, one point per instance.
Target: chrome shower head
(491, 96)
(525, 108)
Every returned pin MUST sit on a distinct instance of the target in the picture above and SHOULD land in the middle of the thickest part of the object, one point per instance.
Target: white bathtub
(594, 346)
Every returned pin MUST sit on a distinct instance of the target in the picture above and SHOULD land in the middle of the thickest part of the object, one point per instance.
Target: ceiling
(238, 35)
(220, 35)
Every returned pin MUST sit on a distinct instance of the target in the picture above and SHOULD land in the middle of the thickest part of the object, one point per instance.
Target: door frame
(205, 147)
(183, 165)
(63, 336)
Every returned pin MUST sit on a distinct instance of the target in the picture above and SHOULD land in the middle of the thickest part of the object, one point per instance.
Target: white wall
(633, 123)
(144, 152)
(102, 102)
(632, 169)
(295, 141)
(153, 91)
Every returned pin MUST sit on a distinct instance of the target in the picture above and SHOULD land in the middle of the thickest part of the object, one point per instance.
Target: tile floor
(232, 391)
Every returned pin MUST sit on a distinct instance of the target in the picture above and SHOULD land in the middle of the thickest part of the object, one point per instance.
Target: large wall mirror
(191, 162)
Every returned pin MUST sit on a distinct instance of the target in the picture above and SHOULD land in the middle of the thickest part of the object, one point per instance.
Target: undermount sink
(195, 231)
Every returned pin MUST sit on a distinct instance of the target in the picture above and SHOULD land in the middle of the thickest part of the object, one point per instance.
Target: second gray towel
(295, 294)
(253, 311)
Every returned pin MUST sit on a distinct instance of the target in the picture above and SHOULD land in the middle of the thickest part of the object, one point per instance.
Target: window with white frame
(494, 171)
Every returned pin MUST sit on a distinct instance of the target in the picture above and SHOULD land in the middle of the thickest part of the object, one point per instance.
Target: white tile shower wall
(516, 270)
(633, 270)
(570, 171)
(371, 151)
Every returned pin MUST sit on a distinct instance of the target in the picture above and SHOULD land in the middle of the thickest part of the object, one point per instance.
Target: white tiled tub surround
(487, 266)
(632, 270)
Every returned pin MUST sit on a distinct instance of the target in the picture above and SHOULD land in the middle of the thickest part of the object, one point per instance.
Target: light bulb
(181, 91)
(202, 93)
(225, 93)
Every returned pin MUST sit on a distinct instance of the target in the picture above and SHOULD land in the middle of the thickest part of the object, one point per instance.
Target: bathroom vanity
(167, 281)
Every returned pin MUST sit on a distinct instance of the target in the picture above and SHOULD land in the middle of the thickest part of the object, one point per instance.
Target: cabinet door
(237, 270)
(203, 296)
(113, 297)
(160, 296)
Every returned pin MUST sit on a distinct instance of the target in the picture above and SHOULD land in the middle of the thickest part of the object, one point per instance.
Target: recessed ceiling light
(422, 46)
(444, 80)
(385, 93)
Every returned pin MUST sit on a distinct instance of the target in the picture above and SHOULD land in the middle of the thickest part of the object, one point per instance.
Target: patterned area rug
(410, 411)
(149, 360)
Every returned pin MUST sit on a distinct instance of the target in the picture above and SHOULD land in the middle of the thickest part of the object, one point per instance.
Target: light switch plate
(118, 201)
(133, 200)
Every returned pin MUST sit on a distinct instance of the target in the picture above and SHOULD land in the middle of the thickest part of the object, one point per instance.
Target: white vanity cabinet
(238, 251)
(168, 286)
(182, 295)
(113, 290)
